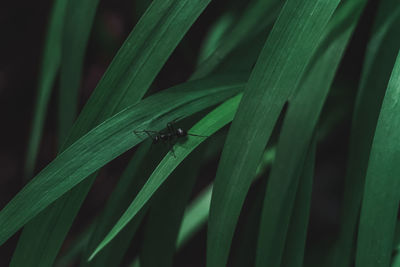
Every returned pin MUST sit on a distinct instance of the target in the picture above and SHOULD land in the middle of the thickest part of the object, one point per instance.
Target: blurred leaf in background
(265, 89)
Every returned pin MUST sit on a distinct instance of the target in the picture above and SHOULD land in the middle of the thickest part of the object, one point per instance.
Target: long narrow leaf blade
(215, 120)
(247, 230)
(297, 233)
(78, 23)
(141, 58)
(74, 42)
(382, 187)
(195, 216)
(166, 212)
(297, 131)
(275, 77)
(379, 60)
(197, 212)
(257, 16)
(125, 82)
(130, 182)
(106, 142)
(49, 70)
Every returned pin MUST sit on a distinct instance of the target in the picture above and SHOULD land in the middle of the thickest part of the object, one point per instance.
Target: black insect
(169, 136)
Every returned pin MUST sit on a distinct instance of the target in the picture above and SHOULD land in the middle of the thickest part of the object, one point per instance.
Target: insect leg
(137, 132)
(149, 133)
(171, 128)
(197, 135)
(171, 147)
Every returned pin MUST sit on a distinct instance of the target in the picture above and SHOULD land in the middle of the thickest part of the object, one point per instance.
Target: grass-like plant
(266, 67)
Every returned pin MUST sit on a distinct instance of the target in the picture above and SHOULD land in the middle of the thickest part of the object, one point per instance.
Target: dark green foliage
(270, 68)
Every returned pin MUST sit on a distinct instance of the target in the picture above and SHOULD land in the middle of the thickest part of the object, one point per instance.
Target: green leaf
(275, 77)
(396, 247)
(166, 213)
(76, 31)
(196, 215)
(49, 69)
(132, 179)
(244, 57)
(381, 53)
(256, 18)
(125, 82)
(207, 126)
(75, 248)
(297, 233)
(234, 37)
(197, 212)
(215, 35)
(382, 187)
(74, 40)
(211, 49)
(247, 230)
(139, 60)
(297, 131)
(109, 140)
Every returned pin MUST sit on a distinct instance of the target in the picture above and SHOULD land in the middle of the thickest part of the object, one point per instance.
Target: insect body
(170, 134)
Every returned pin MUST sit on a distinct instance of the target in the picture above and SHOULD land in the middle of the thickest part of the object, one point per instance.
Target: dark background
(23, 28)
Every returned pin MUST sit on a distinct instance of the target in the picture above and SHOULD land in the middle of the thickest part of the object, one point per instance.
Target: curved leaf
(379, 60)
(125, 82)
(382, 187)
(207, 126)
(166, 212)
(77, 27)
(49, 69)
(296, 134)
(196, 215)
(106, 142)
(297, 232)
(132, 179)
(275, 77)
(257, 16)
(74, 41)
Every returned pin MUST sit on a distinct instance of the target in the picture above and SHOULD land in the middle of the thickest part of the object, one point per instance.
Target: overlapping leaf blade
(126, 80)
(274, 82)
(297, 131)
(233, 41)
(75, 249)
(74, 40)
(207, 126)
(168, 207)
(296, 237)
(381, 53)
(197, 212)
(275, 77)
(380, 57)
(50, 66)
(382, 187)
(196, 215)
(109, 140)
(76, 31)
(132, 179)
(247, 230)
(255, 19)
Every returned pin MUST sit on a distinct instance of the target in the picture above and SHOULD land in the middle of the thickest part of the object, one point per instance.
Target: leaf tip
(95, 252)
